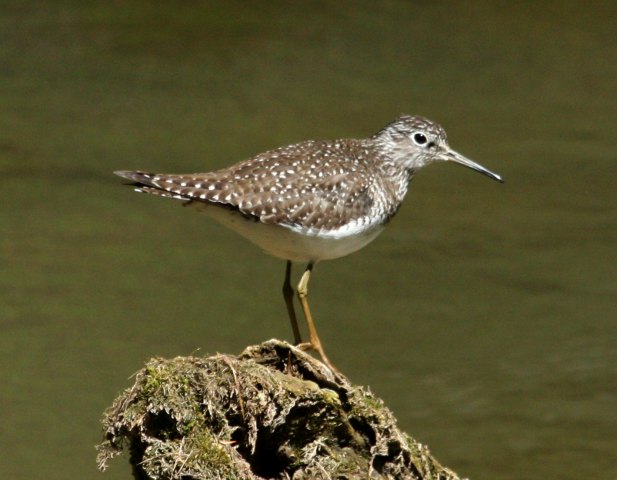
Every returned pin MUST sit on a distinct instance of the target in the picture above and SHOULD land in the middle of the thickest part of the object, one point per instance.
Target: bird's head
(417, 141)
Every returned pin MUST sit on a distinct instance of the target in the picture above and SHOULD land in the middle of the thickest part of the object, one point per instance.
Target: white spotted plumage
(315, 200)
(312, 200)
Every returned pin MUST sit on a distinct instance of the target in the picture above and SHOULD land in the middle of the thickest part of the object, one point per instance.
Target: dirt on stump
(272, 412)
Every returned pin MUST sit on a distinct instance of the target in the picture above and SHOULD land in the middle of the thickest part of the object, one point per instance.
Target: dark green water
(486, 314)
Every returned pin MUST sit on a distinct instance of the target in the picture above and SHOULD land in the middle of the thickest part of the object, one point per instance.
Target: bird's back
(312, 187)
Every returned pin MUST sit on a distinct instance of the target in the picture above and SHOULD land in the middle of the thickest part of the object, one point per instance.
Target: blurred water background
(485, 315)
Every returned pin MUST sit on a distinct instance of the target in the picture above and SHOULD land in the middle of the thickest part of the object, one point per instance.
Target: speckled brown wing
(311, 185)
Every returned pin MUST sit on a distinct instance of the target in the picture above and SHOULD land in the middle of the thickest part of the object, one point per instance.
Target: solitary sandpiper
(314, 200)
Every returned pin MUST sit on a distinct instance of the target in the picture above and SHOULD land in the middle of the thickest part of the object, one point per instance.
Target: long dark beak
(452, 156)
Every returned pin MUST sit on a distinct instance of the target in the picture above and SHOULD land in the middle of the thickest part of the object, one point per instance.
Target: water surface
(485, 315)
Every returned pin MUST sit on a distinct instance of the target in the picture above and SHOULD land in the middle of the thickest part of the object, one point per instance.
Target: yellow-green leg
(288, 295)
(315, 343)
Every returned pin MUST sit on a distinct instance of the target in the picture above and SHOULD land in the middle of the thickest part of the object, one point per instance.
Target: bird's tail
(144, 182)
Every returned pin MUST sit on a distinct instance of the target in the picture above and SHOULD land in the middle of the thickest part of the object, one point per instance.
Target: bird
(315, 200)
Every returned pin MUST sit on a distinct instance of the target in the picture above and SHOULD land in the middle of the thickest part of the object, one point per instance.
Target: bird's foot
(305, 346)
(308, 346)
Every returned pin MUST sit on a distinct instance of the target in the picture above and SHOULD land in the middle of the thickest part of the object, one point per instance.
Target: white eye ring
(419, 139)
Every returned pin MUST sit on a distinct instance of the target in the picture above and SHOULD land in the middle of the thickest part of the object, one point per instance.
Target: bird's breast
(297, 243)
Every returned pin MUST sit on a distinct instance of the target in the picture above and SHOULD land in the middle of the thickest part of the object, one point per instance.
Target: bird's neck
(392, 185)
(398, 177)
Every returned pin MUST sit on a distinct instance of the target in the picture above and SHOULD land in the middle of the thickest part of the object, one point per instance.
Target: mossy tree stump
(273, 412)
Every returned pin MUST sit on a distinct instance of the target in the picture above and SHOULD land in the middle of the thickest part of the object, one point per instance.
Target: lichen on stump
(273, 412)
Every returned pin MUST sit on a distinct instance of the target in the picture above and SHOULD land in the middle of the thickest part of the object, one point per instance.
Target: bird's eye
(419, 138)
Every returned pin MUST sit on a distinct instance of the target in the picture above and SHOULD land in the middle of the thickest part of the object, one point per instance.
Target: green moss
(248, 417)
(152, 381)
(208, 455)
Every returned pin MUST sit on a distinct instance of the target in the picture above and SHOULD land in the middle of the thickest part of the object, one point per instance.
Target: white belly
(285, 243)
